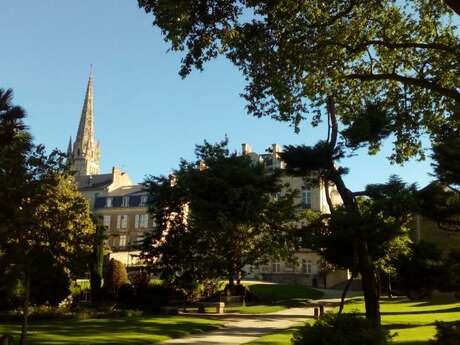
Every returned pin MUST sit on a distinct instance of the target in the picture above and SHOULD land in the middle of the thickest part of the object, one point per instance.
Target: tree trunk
(390, 292)
(25, 321)
(364, 261)
(370, 284)
(344, 293)
(231, 282)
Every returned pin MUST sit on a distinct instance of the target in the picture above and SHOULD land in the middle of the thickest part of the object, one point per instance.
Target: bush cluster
(447, 333)
(344, 329)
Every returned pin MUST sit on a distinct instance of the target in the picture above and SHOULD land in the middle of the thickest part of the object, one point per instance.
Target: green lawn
(413, 321)
(270, 298)
(136, 330)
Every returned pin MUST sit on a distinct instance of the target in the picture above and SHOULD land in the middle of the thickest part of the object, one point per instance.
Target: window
(144, 199)
(144, 220)
(125, 201)
(107, 221)
(306, 266)
(122, 241)
(108, 202)
(306, 199)
(141, 221)
(122, 221)
(276, 267)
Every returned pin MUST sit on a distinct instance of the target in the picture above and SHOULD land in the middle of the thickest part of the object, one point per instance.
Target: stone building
(113, 197)
(308, 270)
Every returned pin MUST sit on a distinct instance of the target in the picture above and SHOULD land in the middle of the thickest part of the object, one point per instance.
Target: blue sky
(147, 117)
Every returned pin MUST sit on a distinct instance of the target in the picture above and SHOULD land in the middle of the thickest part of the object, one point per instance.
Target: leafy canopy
(401, 55)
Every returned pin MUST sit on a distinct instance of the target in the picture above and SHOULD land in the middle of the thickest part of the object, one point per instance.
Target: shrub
(447, 333)
(345, 329)
(153, 297)
(127, 295)
(115, 276)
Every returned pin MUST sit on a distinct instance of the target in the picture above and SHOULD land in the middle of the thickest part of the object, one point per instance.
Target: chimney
(202, 165)
(246, 149)
(276, 149)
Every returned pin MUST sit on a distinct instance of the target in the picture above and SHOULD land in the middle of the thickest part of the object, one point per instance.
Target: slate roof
(90, 182)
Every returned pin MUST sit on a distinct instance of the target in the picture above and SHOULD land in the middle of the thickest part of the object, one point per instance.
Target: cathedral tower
(84, 153)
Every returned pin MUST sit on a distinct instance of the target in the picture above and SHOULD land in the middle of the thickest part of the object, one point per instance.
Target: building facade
(308, 268)
(117, 202)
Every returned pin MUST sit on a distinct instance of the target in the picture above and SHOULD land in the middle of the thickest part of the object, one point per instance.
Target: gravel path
(243, 328)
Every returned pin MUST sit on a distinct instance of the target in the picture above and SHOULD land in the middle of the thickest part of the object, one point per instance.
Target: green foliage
(421, 270)
(442, 205)
(50, 282)
(115, 276)
(402, 55)
(344, 329)
(217, 215)
(451, 279)
(447, 333)
(382, 218)
(447, 159)
(369, 127)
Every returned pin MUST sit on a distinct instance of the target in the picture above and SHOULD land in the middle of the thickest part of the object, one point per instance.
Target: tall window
(107, 221)
(306, 266)
(144, 199)
(276, 267)
(141, 221)
(125, 201)
(306, 199)
(122, 221)
(108, 202)
(122, 242)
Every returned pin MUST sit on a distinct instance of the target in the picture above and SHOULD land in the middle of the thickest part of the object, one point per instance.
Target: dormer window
(108, 202)
(144, 199)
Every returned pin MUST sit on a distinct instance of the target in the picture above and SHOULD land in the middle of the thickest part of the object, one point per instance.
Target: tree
(115, 276)
(379, 67)
(97, 259)
(380, 220)
(295, 54)
(447, 160)
(420, 271)
(218, 215)
(41, 211)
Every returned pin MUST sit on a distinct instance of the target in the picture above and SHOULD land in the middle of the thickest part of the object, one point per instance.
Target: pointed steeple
(85, 153)
(85, 134)
(69, 147)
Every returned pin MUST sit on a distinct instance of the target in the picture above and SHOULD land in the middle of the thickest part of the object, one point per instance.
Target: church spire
(85, 154)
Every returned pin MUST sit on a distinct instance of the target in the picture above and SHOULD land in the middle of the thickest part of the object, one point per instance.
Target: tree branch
(454, 5)
(450, 93)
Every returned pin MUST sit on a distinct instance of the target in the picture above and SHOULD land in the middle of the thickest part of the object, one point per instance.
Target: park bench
(218, 305)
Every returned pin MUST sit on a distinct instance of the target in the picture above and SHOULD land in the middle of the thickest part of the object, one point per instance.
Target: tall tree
(380, 67)
(294, 54)
(219, 215)
(42, 213)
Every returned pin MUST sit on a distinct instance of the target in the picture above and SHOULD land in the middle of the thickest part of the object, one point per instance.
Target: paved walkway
(240, 329)
(243, 328)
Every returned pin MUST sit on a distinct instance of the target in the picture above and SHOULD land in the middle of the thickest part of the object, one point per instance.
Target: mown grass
(412, 322)
(136, 330)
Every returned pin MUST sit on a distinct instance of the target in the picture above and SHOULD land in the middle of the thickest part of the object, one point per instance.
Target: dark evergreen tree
(217, 215)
